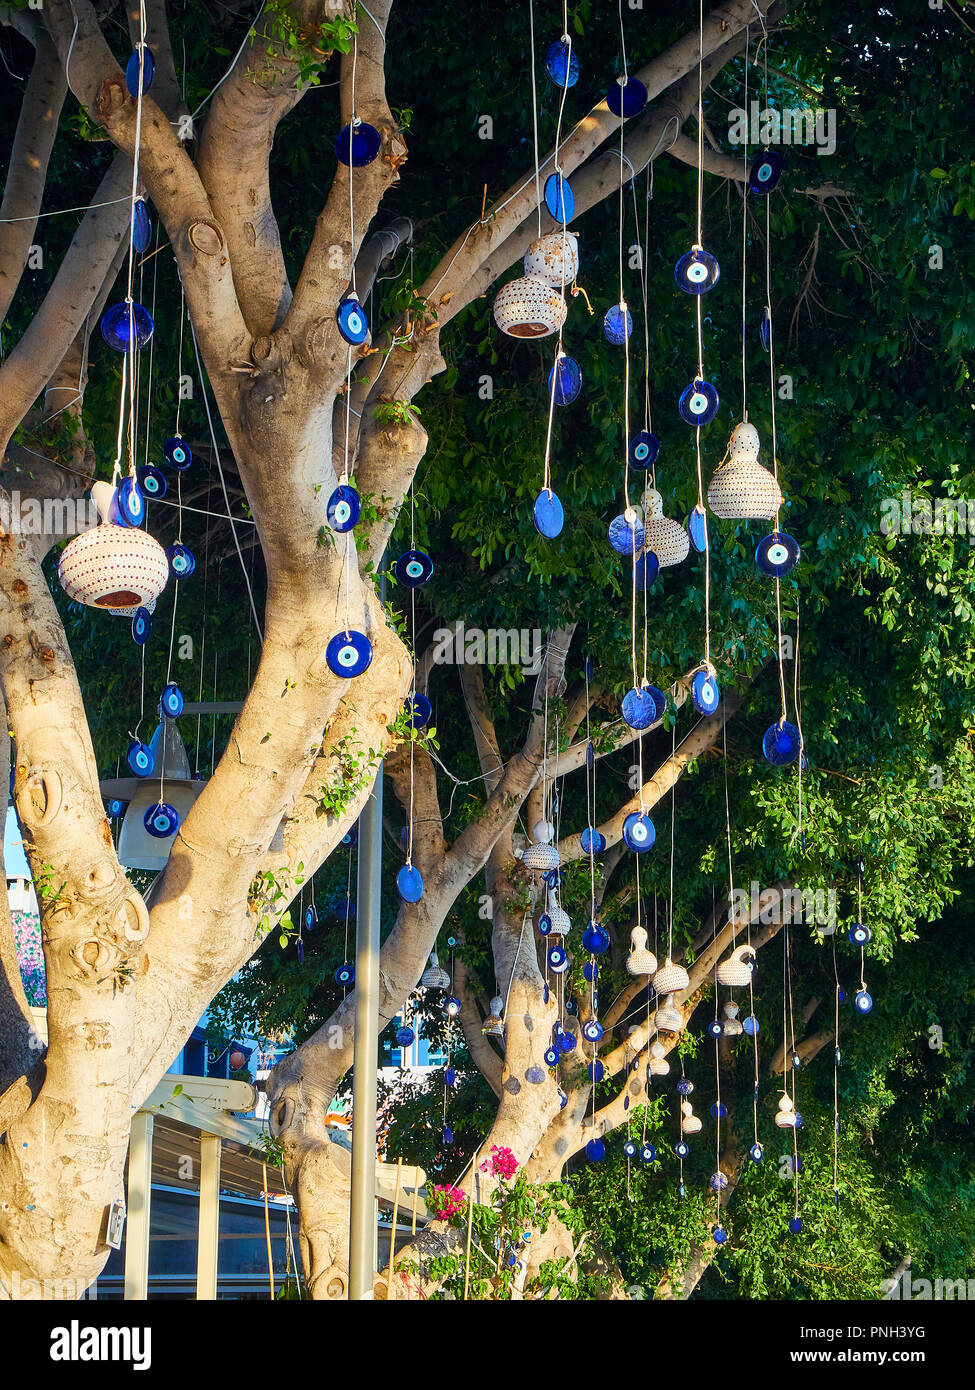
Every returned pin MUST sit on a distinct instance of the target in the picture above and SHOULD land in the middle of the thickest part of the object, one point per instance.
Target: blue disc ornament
(558, 959)
(863, 1002)
(646, 569)
(551, 1056)
(777, 555)
(718, 1110)
(182, 561)
(682, 1149)
(141, 226)
(351, 319)
(756, 1153)
(685, 1087)
(351, 837)
(357, 144)
(591, 841)
(152, 480)
(617, 324)
(715, 1028)
(348, 654)
(782, 743)
(795, 1225)
(413, 568)
(630, 1148)
(590, 971)
(345, 975)
(177, 453)
(750, 1025)
(765, 330)
(342, 510)
(626, 97)
(129, 505)
(595, 1070)
(559, 198)
(547, 514)
(719, 1235)
(140, 72)
(626, 534)
(115, 807)
(643, 449)
(171, 701)
(140, 758)
(696, 527)
(161, 820)
(595, 939)
(697, 271)
(641, 708)
(566, 1042)
(561, 63)
(310, 917)
(405, 1036)
(409, 884)
(420, 710)
(648, 1154)
(141, 626)
(638, 832)
(565, 380)
(122, 331)
(860, 934)
(705, 692)
(544, 925)
(698, 404)
(592, 1031)
(595, 1150)
(765, 171)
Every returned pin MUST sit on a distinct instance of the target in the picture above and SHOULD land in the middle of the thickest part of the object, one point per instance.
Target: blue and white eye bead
(413, 568)
(552, 877)
(630, 1148)
(178, 453)
(559, 198)
(715, 1029)
(777, 555)
(782, 743)
(697, 271)
(567, 1042)
(648, 1154)
(544, 924)
(718, 1110)
(139, 758)
(171, 701)
(626, 97)
(681, 1149)
(593, 1030)
(595, 1150)
(310, 917)
(592, 841)
(161, 820)
(140, 72)
(719, 1235)
(705, 692)
(420, 710)
(638, 832)
(698, 404)
(351, 319)
(115, 807)
(617, 324)
(409, 883)
(357, 144)
(558, 960)
(796, 1061)
(345, 974)
(756, 1153)
(130, 505)
(152, 480)
(351, 837)
(343, 508)
(125, 325)
(551, 1056)
(643, 449)
(182, 561)
(860, 934)
(452, 1006)
(863, 1002)
(837, 1057)
(348, 654)
(626, 534)
(141, 626)
(595, 1070)
(765, 171)
(548, 515)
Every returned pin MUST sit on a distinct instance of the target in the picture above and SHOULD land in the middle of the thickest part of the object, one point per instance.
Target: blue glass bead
(119, 333)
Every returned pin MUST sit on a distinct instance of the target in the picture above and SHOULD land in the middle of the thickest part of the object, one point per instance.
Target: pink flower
(447, 1201)
(502, 1162)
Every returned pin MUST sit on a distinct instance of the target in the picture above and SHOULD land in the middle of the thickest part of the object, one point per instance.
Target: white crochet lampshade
(668, 1018)
(734, 971)
(670, 977)
(561, 925)
(133, 608)
(640, 961)
(112, 566)
(742, 490)
(690, 1124)
(435, 977)
(667, 539)
(541, 857)
(553, 261)
(529, 308)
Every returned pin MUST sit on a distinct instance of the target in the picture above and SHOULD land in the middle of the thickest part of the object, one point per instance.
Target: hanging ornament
(558, 959)
(697, 271)
(140, 71)
(777, 555)
(626, 533)
(782, 743)
(409, 884)
(643, 450)
(182, 561)
(645, 570)
(348, 654)
(413, 568)
(161, 820)
(595, 940)
(357, 144)
(690, 1123)
(342, 510)
(541, 857)
(492, 1026)
(171, 701)
(750, 1025)
(561, 63)
(345, 975)
(671, 978)
(742, 489)
(863, 1001)
(152, 480)
(139, 758)
(419, 709)
(559, 198)
(640, 961)
(860, 934)
(731, 1027)
(177, 453)
(122, 329)
(565, 380)
(112, 566)
(667, 540)
(704, 689)
(435, 977)
(668, 1017)
(644, 706)
(547, 514)
(765, 329)
(351, 319)
(734, 971)
(639, 832)
(529, 308)
(592, 841)
(554, 258)
(785, 1115)
(698, 404)
(765, 171)
(141, 226)
(617, 324)
(626, 97)
(696, 526)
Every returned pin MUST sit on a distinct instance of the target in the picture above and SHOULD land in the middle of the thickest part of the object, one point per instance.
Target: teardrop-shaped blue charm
(559, 198)
(409, 883)
(133, 67)
(141, 226)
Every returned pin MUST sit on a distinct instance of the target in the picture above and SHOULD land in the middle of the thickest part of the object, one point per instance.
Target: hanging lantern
(658, 1066)
(640, 961)
(668, 1018)
(554, 259)
(112, 566)
(667, 540)
(140, 843)
(541, 857)
(529, 308)
(734, 971)
(670, 978)
(785, 1116)
(690, 1123)
(559, 922)
(742, 490)
(435, 977)
(493, 1027)
(731, 1027)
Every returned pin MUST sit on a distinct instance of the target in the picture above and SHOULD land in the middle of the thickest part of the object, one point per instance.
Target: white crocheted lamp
(742, 490)
(529, 308)
(667, 539)
(541, 857)
(112, 566)
(734, 971)
(640, 961)
(670, 977)
(552, 260)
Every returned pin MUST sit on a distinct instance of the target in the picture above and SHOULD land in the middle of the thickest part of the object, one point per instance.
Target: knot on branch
(272, 353)
(112, 99)
(206, 237)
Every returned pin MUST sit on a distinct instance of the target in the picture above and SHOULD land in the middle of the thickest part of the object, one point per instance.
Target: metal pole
(365, 1061)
